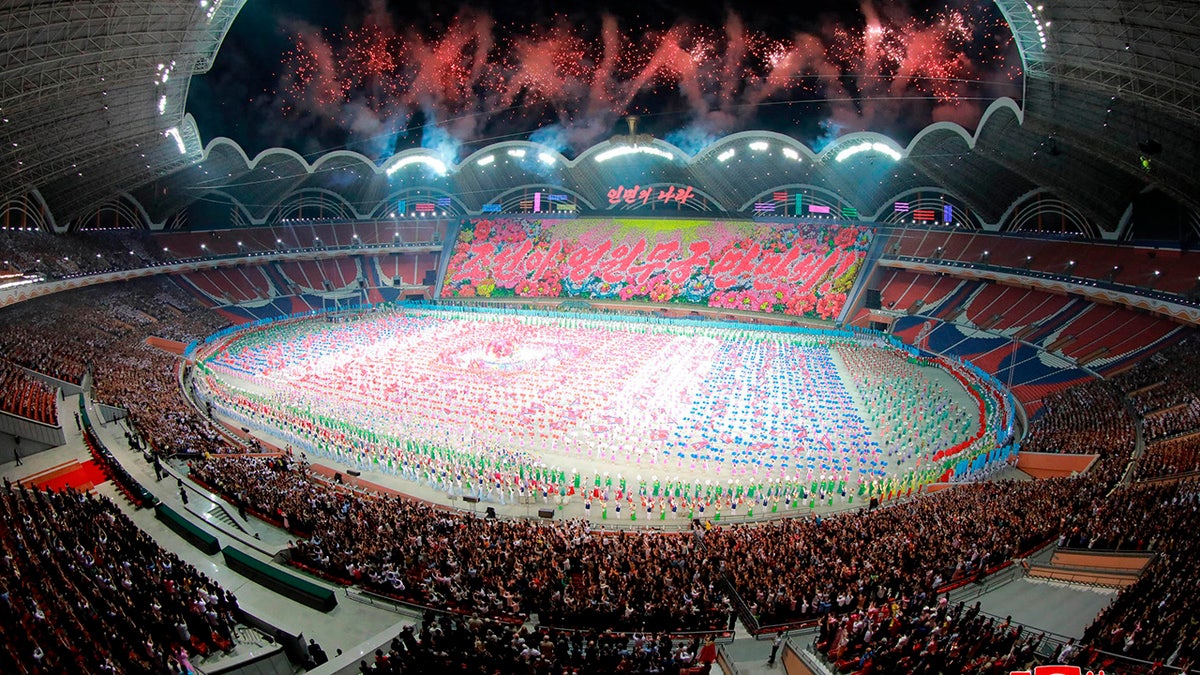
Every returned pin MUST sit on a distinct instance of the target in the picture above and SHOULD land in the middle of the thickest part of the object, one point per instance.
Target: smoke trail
(895, 69)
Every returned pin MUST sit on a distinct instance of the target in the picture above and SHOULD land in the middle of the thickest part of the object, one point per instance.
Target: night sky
(379, 77)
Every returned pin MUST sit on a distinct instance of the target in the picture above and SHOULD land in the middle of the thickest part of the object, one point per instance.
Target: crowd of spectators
(797, 569)
(26, 396)
(1165, 389)
(1133, 517)
(142, 379)
(60, 335)
(1170, 457)
(924, 638)
(1154, 618)
(1176, 389)
(1150, 620)
(461, 644)
(1164, 379)
(1180, 419)
(1084, 419)
(786, 571)
(97, 330)
(38, 253)
(65, 334)
(83, 590)
(573, 576)
(567, 573)
(54, 256)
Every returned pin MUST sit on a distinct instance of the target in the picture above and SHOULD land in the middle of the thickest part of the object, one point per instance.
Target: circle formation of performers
(657, 418)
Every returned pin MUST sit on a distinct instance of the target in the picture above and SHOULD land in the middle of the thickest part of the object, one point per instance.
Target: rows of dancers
(422, 395)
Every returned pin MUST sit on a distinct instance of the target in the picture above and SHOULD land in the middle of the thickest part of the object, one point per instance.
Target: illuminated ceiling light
(1039, 23)
(546, 158)
(211, 6)
(885, 149)
(432, 162)
(162, 105)
(724, 156)
(867, 146)
(485, 160)
(791, 154)
(852, 151)
(621, 150)
(516, 152)
(173, 132)
(759, 146)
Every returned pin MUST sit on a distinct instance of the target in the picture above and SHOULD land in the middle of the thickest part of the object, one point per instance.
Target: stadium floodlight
(486, 159)
(211, 6)
(852, 151)
(438, 166)
(725, 156)
(173, 132)
(791, 154)
(621, 150)
(867, 146)
(760, 146)
(887, 150)
(516, 152)
(546, 158)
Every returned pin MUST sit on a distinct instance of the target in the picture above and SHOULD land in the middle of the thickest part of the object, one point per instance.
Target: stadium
(862, 347)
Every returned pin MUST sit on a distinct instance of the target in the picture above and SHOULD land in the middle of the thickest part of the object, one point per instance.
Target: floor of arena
(666, 420)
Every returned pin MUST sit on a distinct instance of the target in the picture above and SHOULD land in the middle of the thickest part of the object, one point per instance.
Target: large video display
(800, 269)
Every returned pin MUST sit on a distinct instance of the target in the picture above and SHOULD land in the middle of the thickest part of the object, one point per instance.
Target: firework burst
(475, 84)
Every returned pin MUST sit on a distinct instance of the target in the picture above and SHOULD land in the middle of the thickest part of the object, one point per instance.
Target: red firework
(464, 75)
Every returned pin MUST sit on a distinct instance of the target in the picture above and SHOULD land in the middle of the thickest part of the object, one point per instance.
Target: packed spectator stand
(106, 336)
(1170, 457)
(915, 637)
(786, 572)
(1154, 619)
(802, 569)
(85, 590)
(474, 644)
(567, 573)
(1087, 418)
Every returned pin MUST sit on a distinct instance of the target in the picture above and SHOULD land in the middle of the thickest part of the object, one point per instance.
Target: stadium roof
(1106, 84)
(92, 94)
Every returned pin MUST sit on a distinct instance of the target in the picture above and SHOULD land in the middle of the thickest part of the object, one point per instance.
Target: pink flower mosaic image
(798, 269)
